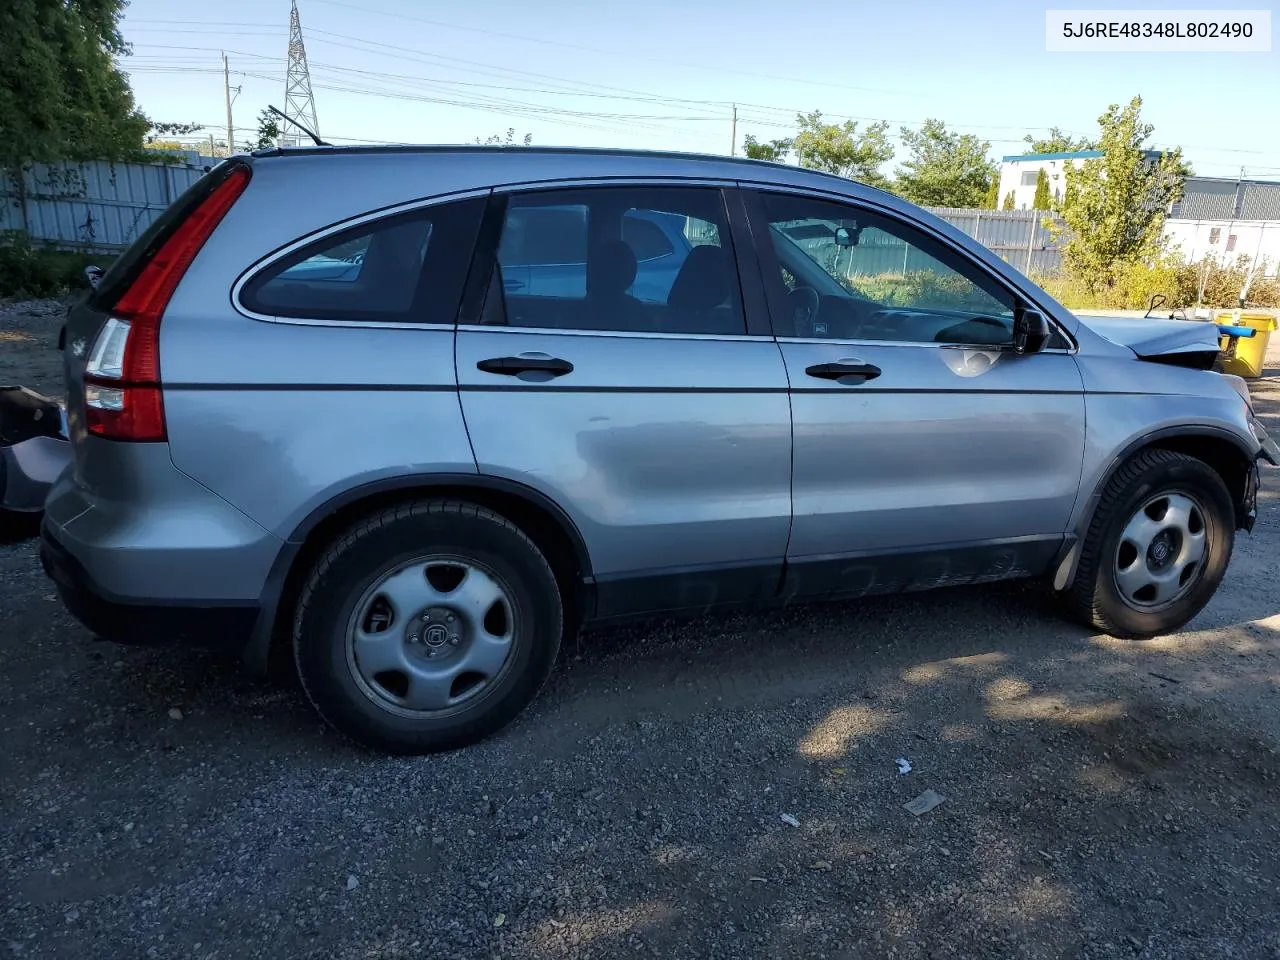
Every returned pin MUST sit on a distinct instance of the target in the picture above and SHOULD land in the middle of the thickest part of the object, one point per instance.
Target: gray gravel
(1102, 799)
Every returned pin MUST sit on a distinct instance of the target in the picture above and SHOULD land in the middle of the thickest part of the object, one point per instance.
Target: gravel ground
(1102, 799)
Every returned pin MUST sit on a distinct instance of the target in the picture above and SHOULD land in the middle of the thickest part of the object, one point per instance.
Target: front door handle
(514, 366)
(844, 371)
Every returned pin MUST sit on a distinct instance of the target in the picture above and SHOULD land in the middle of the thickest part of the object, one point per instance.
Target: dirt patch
(29, 355)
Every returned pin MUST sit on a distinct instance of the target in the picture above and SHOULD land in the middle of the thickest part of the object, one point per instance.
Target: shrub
(916, 287)
(1134, 285)
(30, 269)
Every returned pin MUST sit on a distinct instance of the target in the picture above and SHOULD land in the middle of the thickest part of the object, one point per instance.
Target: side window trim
(753, 197)
(476, 312)
(332, 231)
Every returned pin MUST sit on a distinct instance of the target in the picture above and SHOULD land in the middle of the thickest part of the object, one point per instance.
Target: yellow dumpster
(1245, 356)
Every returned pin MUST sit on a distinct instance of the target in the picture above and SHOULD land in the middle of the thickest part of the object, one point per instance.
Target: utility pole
(226, 89)
(733, 133)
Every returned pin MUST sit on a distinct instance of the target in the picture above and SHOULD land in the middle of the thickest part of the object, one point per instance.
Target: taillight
(123, 399)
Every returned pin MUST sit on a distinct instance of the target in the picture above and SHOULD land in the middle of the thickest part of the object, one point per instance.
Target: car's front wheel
(1157, 548)
(427, 626)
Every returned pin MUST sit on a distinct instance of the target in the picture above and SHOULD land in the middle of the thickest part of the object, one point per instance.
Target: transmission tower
(299, 104)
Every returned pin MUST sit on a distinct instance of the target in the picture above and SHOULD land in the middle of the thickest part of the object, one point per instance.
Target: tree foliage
(161, 130)
(773, 150)
(61, 96)
(267, 134)
(841, 149)
(944, 169)
(1041, 200)
(1114, 207)
(1059, 142)
(506, 140)
(993, 193)
(1008, 201)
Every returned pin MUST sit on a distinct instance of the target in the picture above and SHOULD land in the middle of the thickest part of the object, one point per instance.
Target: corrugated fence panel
(1017, 236)
(95, 206)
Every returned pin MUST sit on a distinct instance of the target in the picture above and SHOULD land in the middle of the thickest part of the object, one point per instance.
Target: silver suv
(415, 414)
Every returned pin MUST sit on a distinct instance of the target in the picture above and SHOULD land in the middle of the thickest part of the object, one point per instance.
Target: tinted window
(646, 239)
(636, 269)
(409, 267)
(545, 235)
(851, 274)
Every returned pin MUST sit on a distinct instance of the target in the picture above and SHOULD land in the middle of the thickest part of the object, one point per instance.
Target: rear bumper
(27, 471)
(202, 623)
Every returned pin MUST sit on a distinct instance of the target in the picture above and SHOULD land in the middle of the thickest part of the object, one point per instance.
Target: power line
(748, 116)
(618, 53)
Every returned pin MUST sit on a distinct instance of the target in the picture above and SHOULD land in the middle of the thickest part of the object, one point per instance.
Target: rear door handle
(514, 366)
(844, 371)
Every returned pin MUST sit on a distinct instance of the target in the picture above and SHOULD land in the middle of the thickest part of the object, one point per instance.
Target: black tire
(1095, 598)
(384, 541)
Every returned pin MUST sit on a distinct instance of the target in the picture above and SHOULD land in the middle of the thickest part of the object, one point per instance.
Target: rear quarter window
(406, 268)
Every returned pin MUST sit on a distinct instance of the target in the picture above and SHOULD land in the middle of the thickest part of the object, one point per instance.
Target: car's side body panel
(671, 457)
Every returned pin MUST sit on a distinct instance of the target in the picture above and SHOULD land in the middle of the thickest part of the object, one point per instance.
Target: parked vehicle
(33, 451)
(420, 471)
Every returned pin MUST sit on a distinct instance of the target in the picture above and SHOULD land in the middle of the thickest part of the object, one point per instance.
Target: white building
(1222, 218)
(1227, 219)
(1019, 173)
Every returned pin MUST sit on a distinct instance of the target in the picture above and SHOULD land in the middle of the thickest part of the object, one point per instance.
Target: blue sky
(663, 73)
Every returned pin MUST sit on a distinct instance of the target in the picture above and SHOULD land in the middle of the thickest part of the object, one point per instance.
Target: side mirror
(847, 236)
(93, 276)
(1031, 331)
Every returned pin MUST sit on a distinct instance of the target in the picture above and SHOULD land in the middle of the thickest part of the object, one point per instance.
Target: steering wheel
(804, 304)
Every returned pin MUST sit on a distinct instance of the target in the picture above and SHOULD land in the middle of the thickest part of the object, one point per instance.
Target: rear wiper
(314, 138)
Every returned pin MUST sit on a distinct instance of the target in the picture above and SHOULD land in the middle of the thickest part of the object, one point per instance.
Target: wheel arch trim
(257, 651)
(1065, 566)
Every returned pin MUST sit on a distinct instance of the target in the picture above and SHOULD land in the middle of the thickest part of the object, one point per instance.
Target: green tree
(1008, 201)
(774, 150)
(1114, 207)
(840, 149)
(993, 193)
(268, 132)
(1041, 200)
(944, 169)
(507, 140)
(61, 95)
(1059, 142)
(164, 136)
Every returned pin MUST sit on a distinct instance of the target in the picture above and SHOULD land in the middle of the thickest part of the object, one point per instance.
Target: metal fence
(97, 207)
(103, 207)
(1018, 236)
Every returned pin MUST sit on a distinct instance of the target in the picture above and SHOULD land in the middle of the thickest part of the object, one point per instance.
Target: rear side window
(645, 237)
(408, 268)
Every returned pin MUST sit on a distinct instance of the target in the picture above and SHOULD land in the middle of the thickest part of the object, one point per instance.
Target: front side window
(405, 268)
(851, 274)
(639, 259)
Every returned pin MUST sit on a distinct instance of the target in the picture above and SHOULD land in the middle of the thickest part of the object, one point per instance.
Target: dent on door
(951, 466)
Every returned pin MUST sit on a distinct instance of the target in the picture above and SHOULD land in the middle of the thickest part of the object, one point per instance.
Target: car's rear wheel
(1157, 547)
(427, 626)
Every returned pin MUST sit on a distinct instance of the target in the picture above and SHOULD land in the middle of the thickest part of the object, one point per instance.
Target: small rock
(175, 713)
(820, 865)
(352, 881)
(789, 820)
(72, 915)
(500, 919)
(128, 827)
